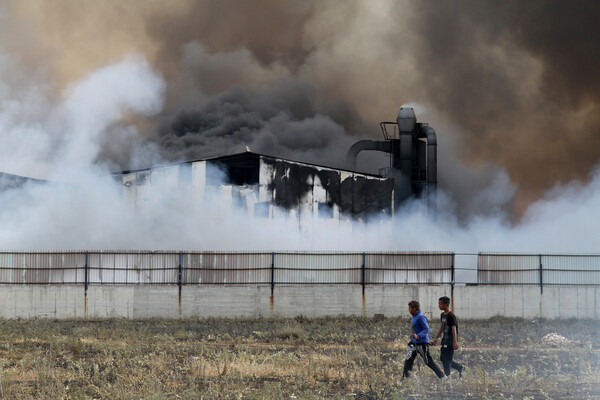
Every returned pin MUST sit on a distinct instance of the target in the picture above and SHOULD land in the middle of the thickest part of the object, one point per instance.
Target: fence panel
(35, 268)
(134, 268)
(294, 268)
(226, 268)
(318, 268)
(408, 268)
(508, 269)
(9, 267)
(576, 269)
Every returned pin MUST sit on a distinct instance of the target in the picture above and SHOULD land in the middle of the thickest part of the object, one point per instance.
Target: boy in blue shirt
(419, 341)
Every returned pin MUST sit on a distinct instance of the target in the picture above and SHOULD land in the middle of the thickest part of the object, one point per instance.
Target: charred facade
(10, 181)
(267, 187)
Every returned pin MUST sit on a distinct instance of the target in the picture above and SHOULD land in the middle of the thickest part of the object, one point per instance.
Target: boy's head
(413, 307)
(444, 303)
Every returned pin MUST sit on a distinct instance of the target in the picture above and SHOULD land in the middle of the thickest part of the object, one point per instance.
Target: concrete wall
(288, 301)
(45, 301)
(527, 302)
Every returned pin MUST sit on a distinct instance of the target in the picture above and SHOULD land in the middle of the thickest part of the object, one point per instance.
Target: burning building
(269, 187)
(11, 181)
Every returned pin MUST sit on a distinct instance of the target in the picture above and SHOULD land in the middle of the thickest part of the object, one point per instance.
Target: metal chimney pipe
(406, 119)
(407, 122)
(413, 157)
(431, 154)
(379, 145)
(431, 167)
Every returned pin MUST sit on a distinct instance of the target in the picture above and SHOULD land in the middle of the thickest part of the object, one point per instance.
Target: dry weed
(331, 358)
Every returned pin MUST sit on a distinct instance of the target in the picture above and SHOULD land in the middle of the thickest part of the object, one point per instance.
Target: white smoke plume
(72, 109)
(85, 208)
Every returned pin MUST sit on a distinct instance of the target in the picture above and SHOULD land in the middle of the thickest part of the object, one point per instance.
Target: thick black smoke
(510, 85)
(520, 79)
(272, 30)
(289, 119)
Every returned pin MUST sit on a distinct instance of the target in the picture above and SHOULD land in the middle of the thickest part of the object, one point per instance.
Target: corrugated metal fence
(290, 268)
(224, 268)
(538, 269)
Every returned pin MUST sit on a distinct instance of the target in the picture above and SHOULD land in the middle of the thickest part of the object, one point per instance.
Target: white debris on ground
(554, 339)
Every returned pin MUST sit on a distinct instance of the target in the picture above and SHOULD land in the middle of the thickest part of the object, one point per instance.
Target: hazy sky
(511, 88)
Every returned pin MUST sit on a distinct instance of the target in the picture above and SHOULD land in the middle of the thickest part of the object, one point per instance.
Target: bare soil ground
(326, 358)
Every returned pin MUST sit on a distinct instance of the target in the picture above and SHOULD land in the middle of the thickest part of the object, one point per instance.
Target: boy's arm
(422, 334)
(455, 337)
(434, 341)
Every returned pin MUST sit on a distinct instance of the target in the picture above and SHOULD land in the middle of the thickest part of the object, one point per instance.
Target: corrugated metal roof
(245, 155)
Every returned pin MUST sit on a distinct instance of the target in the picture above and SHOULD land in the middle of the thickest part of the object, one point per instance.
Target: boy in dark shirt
(449, 343)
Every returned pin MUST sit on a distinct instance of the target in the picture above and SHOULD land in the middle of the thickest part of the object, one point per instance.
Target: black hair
(445, 300)
(414, 304)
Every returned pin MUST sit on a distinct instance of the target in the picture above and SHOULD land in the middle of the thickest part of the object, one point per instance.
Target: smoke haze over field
(511, 89)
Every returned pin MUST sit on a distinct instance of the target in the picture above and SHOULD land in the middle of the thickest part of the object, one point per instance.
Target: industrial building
(11, 181)
(269, 187)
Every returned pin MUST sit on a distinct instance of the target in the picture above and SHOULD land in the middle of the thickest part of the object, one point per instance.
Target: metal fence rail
(508, 269)
(224, 268)
(563, 269)
(318, 268)
(290, 268)
(538, 269)
(33, 268)
(409, 268)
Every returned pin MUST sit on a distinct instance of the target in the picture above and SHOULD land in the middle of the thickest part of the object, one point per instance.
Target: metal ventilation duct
(413, 149)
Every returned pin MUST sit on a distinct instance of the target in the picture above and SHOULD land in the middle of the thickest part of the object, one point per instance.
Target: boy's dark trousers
(446, 355)
(423, 350)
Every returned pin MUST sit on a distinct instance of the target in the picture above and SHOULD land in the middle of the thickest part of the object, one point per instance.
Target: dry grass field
(328, 358)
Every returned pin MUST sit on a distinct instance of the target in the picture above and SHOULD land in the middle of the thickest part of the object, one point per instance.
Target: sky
(510, 87)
